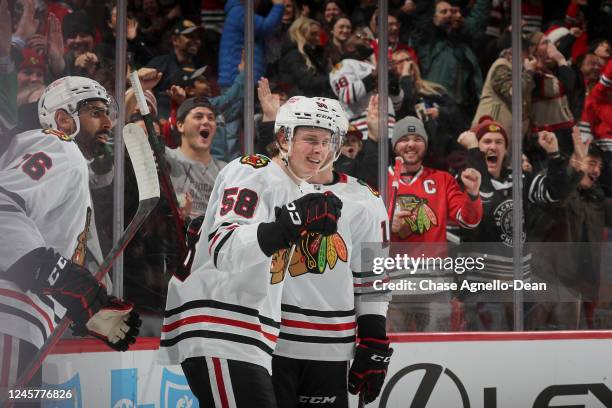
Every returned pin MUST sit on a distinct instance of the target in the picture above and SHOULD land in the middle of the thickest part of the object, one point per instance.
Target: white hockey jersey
(44, 202)
(330, 283)
(346, 79)
(228, 306)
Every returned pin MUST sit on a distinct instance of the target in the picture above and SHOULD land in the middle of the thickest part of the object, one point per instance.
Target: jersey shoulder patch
(256, 161)
(57, 133)
(372, 190)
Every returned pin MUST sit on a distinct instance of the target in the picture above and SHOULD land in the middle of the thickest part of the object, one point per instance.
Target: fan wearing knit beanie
(491, 138)
(487, 310)
(426, 201)
(32, 68)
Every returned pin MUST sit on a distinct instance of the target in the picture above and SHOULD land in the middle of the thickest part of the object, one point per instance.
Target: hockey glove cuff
(369, 368)
(45, 272)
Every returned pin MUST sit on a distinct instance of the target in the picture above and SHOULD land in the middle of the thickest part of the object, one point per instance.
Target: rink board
(477, 370)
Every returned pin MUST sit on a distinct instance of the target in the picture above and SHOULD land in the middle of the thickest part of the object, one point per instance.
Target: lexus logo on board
(421, 397)
(433, 377)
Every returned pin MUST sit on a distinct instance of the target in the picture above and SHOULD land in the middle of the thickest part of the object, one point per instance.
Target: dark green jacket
(448, 59)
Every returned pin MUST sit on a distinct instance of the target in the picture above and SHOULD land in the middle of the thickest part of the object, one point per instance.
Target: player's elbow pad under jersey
(25, 272)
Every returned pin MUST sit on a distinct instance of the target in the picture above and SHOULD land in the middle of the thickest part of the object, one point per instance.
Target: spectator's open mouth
(204, 133)
(492, 158)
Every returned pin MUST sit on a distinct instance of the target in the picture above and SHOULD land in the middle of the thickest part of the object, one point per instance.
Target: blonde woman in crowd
(431, 103)
(302, 64)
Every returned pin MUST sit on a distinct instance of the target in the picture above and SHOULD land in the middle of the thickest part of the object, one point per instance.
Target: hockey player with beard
(496, 226)
(354, 81)
(221, 322)
(333, 297)
(46, 216)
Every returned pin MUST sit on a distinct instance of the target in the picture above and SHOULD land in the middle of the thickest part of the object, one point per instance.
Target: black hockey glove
(192, 236)
(314, 212)
(115, 324)
(45, 272)
(369, 368)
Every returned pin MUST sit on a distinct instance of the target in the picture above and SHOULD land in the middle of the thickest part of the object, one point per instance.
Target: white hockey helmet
(342, 123)
(70, 93)
(341, 117)
(302, 111)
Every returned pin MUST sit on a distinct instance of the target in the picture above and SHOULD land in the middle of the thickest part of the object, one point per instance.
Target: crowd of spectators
(449, 72)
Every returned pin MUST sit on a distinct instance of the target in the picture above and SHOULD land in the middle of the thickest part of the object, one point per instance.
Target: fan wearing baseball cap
(193, 169)
(186, 41)
(426, 200)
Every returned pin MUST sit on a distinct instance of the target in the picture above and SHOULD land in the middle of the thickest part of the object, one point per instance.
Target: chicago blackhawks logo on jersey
(502, 215)
(78, 256)
(420, 216)
(313, 254)
(58, 133)
(256, 161)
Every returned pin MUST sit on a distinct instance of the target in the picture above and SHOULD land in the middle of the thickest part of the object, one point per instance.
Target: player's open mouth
(593, 177)
(204, 133)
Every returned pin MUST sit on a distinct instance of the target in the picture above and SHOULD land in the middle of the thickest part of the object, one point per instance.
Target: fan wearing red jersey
(427, 199)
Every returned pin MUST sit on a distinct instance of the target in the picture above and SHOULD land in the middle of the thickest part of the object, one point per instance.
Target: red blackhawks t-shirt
(433, 197)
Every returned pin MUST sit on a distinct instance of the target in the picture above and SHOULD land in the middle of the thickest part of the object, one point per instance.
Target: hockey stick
(361, 403)
(143, 162)
(395, 185)
(162, 168)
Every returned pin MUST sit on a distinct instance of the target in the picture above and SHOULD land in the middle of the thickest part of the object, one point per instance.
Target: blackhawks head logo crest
(256, 161)
(420, 216)
(313, 254)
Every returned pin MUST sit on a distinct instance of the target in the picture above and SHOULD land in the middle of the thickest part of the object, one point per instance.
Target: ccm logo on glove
(294, 214)
(55, 273)
(381, 359)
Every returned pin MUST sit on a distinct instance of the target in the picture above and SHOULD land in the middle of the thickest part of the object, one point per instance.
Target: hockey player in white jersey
(45, 214)
(354, 81)
(222, 322)
(332, 298)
